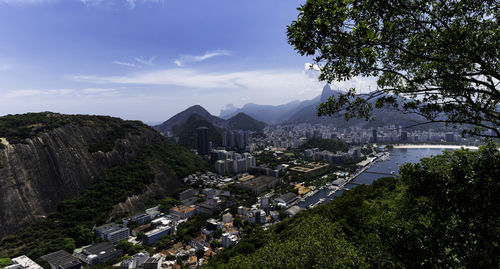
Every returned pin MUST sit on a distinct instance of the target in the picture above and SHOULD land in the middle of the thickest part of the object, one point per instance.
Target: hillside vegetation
(153, 159)
(16, 128)
(440, 213)
(242, 121)
(187, 133)
(71, 225)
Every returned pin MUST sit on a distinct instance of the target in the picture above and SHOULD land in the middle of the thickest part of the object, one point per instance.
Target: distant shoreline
(425, 146)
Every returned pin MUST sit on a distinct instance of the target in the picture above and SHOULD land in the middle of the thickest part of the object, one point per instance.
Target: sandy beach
(423, 146)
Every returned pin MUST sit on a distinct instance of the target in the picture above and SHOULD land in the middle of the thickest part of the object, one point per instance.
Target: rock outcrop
(39, 173)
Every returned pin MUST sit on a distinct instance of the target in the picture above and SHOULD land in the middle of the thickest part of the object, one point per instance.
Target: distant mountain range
(280, 113)
(239, 121)
(306, 112)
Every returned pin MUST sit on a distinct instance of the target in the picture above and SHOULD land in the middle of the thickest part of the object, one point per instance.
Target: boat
(331, 193)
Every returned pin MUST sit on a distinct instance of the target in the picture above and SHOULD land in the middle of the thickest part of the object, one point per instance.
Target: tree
(450, 210)
(436, 59)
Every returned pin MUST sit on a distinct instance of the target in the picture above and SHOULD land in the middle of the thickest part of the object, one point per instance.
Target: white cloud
(144, 61)
(198, 58)
(131, 4)
(60, 93)
(277, 80)
(310, 66)
(124, 63)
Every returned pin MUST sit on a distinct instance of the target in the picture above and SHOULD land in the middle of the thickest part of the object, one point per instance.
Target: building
(404, 136)
(260, 216)
(208, 207)
(183, 212)
(141, 219)
(286, 199)
(203, 142)
(374, 135)
(209, 193)
(259, 184)
(225, 139)
(227, 218)
(229, 240)
(23, 262)
(135, 261)
(112, 232)
(97, 253)
(317, 134)
(264, 202)
(292, 211)
(62, 260)
(186, 194)
(153, 262)
(154, 235)
(450, 137)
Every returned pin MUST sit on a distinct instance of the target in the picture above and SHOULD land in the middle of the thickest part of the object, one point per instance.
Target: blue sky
(149, 59)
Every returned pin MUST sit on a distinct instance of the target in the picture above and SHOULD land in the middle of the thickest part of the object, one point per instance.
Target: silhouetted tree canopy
(441, 56)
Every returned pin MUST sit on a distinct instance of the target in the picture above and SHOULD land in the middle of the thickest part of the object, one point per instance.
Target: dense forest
(71, 226)
(439, 213)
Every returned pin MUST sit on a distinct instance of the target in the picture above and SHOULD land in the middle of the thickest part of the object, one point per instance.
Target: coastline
(423, 146)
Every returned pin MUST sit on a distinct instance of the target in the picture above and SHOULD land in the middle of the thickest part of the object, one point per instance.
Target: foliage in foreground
(441, 56)
(440, 213)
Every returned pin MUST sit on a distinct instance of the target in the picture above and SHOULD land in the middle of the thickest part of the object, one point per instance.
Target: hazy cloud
(124, 63)
(61, 93)
(131, 4)
(144, 61)
(186, 58)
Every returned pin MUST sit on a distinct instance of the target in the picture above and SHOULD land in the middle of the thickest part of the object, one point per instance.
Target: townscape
(162, 134)
(257, 180)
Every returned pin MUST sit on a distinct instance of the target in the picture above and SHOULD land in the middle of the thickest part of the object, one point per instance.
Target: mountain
(46, 158)
(187, 131)
(242, 121)
(187, 134)
(266, 113)
(183, 116)
(306, 112)
(277, 114)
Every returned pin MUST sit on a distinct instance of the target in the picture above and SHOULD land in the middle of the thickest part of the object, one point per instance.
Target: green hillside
(440, 213)
(242, 121)
(161, 162)
(187, 132)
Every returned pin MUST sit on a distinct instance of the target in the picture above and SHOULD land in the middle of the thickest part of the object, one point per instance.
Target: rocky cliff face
(36, 175)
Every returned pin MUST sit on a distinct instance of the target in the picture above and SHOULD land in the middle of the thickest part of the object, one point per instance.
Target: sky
(150, 59)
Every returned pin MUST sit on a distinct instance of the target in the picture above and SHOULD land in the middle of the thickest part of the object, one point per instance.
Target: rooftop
(26, 262)
(107, 228)
(61, 258)
(99, 248)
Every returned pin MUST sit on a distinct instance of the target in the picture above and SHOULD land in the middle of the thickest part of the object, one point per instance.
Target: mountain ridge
(238, 121)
